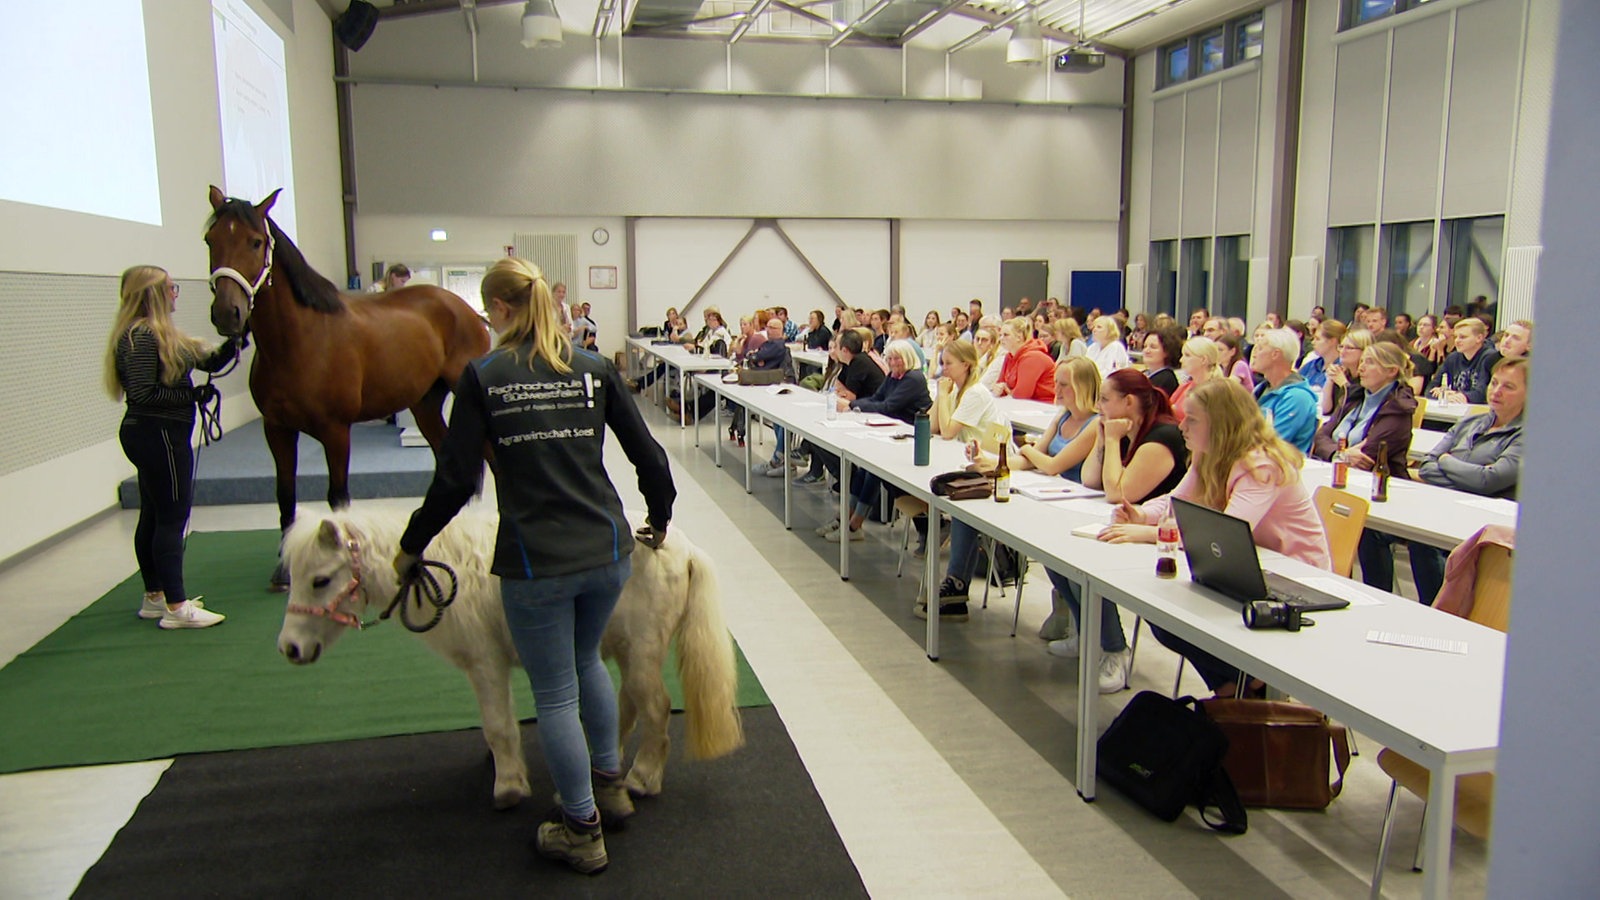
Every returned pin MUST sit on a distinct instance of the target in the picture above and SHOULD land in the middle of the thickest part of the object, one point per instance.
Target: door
(1023, 278)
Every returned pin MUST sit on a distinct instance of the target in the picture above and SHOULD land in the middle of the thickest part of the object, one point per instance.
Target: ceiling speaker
(355, 25)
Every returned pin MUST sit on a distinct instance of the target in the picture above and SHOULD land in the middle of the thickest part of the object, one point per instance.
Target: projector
(1080, 61)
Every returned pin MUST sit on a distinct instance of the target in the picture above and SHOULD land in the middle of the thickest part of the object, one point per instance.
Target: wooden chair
(1343, 516)
(1491, 606)
(1420, 414)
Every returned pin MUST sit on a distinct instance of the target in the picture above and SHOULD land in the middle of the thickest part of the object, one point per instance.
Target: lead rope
(423, 588)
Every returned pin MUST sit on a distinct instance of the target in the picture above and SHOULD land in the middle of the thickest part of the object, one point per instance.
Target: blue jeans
(1376, 554)
(1112, 639)
(556, 624)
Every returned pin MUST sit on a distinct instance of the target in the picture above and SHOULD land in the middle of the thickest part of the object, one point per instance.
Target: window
(1408, 268)
(1213, 52)
(1164, 277)
(1247, 38)
(1195, 275)
(1472, 253)
(1233, 276)
(1360, 12)
(1350, 261)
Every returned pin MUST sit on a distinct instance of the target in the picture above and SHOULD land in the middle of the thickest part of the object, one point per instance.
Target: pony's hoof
(640, 786)
(509, 797)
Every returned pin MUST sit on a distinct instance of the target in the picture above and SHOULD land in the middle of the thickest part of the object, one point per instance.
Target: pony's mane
(309, 288)
(466, 544)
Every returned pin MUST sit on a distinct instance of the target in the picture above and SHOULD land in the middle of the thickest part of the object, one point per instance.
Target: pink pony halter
(420, 583)
(348, 593)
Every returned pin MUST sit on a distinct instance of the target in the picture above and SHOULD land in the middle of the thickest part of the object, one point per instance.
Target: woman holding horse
(561, 556)
(148, 361)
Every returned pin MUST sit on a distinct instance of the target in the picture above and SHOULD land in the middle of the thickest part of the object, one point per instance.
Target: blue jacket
(1293, 405)
(899, 398)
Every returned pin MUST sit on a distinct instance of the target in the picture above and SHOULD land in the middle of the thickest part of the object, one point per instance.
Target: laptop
(1222, 556)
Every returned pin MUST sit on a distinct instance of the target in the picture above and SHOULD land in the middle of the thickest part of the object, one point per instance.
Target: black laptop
(1222, 556)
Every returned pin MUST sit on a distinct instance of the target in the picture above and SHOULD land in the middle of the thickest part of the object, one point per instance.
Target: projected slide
(76, 130)
(253, 92)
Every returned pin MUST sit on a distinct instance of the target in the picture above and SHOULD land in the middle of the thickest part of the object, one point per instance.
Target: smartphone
(1019, 439)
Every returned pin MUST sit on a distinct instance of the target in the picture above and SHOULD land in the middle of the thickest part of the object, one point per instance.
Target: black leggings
(161, 453)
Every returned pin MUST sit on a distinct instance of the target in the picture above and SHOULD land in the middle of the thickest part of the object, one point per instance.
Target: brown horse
(326, 360)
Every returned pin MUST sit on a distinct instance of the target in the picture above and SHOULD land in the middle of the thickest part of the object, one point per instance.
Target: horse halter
(250, 288)
(351, 589)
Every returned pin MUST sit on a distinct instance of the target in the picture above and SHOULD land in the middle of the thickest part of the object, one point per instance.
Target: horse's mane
(306, 285)
(465, 545)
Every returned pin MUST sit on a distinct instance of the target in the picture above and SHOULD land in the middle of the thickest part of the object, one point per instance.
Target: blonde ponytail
(521, 286)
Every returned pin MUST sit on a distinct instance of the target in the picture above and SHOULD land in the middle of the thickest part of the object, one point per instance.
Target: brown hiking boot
(580, 846)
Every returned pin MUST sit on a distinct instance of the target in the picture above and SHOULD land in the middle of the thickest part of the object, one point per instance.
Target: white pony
(341, 571)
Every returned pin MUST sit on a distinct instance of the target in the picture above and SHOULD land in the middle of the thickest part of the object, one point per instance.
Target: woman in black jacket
(901, 396)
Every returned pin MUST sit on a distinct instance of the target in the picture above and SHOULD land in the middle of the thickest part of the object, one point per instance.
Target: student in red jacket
(1029, 371)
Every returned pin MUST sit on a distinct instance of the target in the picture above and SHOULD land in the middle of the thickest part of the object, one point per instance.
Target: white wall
(80, 478)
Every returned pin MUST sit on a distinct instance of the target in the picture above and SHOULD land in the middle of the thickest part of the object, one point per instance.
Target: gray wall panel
(1416, 114)
(1166, 172)
(1236, 158)
(1200, 160)
(1357, 130)
(1483, 98)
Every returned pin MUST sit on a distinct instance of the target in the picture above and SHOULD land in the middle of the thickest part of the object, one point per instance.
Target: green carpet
(109, 687)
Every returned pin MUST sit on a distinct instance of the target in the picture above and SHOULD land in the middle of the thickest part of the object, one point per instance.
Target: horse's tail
(706, 666)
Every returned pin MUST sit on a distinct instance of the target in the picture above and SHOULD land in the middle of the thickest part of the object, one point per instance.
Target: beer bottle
(1380, 474)
(1002, 478)
(1341, 467)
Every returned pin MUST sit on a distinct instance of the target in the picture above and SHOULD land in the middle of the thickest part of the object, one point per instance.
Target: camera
(1273, 614)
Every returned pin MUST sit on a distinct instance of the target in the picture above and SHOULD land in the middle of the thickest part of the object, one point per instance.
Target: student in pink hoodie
(1242, 467)
(1029, 369)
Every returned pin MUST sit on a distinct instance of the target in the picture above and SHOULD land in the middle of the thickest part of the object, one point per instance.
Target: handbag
(1279, 751)
(760, 376)
(1165, 754)
(962, 485)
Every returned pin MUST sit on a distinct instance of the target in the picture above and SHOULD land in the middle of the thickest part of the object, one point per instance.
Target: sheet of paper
(1089, 506)
(1344, 590)
(1060, 491)
(1092, 530)
(1492, 504)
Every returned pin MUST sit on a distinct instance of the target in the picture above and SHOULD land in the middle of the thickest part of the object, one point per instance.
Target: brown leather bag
(1279, 751)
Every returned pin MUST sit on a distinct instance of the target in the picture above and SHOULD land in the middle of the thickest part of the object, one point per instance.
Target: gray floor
(944, 779)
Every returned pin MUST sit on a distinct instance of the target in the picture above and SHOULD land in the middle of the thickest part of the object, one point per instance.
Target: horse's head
(240, 241)
(328, 571)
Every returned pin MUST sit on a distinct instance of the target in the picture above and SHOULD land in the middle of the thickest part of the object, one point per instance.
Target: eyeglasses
(173, 288)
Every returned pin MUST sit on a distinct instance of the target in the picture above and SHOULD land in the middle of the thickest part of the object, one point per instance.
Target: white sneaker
(856, 534)
(1113, 672)
(189, 614)
(153, 605)
(1066, 648)
(775, 471)
(760, 468)
(827, 527)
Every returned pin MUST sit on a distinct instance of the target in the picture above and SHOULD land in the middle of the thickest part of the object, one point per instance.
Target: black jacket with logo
(559, 512)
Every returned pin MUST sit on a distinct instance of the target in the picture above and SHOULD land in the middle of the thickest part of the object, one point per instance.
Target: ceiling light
(1026, 47)
(438, 234)
(541, 24)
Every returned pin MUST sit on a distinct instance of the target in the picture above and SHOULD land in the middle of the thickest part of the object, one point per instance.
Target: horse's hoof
(510, 796)
(641, 787)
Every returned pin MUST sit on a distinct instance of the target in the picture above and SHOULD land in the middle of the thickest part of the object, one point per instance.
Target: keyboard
(1299, 596)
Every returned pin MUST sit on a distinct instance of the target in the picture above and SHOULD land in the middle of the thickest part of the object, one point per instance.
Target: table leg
(683, 401)
(1088, 685)
(747, 442)
(784, 449)
(845, 471)
(930, 582)
(1440, 825)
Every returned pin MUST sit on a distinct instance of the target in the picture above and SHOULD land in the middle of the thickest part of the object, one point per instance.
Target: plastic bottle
(923, 433)
(1341, 466)
(830, 400)
(1167, 547)
(1002, 478)
(1380, 474)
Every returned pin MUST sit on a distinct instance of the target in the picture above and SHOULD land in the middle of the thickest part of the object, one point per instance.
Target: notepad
(1061, 490)
(1417, 641)
(1091, 530)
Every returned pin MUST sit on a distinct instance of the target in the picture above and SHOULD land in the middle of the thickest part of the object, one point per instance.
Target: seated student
(712, 338)
(1482, 454)
(1026, 373)
(1243, 468)
(1068, 338)
(858, 377)
(817, 336)
(674, 330)
(991, 356)
(963, 411)
(772, 354)
(1108, 353)
(903, 331)
(1376, 412)
(1516, 340)
(1282, 394)
(1342, 372)
(1463, 377)
(1146, 458)
(901, 396)
(1235, 359)
(1324, 353)
(1201, 361)
(1163, 349)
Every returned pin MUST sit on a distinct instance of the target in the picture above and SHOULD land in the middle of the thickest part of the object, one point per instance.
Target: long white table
(680, 359)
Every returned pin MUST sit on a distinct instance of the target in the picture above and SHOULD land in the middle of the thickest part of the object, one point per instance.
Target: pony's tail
(706, 666)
